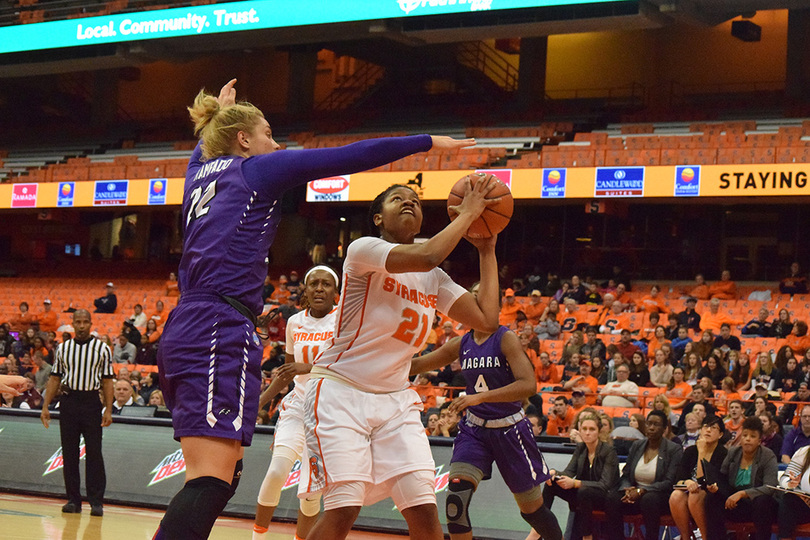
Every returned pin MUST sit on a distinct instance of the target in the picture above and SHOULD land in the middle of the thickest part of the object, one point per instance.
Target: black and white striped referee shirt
(82, 365)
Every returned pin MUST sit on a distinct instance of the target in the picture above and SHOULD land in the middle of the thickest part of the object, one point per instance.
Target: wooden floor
(31, 518)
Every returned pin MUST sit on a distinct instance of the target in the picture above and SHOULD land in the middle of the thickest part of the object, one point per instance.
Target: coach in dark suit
(82, 367)
(646, 481)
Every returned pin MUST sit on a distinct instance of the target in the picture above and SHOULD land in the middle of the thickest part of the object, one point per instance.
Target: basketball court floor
(32, 518)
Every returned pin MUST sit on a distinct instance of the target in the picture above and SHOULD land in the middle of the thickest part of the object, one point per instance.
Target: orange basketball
(495, 217)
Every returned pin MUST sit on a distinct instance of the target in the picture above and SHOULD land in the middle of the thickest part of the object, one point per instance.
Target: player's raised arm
(480, 310)
(436, 359)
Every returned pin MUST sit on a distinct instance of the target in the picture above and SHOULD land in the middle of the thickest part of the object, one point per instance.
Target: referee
(82, 365)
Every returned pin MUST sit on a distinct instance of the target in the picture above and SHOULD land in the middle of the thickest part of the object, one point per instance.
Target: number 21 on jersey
(411, 326)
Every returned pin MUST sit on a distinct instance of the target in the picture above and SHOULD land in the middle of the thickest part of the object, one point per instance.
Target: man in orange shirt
(545, 372)
(604, 311)
(534, 309)
(160, 314)
(725, 289)
(616, 321)
(446, 335)
(584, 382)
(47, 318)
(714, 318)
(571, 317)
(623, 297)
(560, 418)
(22, 321)
(509, 308)
(700, 290)
(734, 423)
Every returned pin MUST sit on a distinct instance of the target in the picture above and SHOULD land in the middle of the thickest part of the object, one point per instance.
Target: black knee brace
(195, 508)
(237, 475)
(458, 504)
(544, 522)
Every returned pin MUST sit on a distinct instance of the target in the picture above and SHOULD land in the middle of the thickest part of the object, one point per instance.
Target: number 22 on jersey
(200, 200)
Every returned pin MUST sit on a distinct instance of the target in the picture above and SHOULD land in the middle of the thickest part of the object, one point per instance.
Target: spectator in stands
(43, 371)
(625, 346)
(760, 402)
(574, 344)
(622, 392)
(677, 389)
(760, 326)
(570, 369)
(705, 345)
(535, 308)
(661, 371)
(593, 346)
(447, 334)
(47, 318)
(452, 375)
(679, 343)
(432, 423)
(149, 383)
(689, 317)
(692, 423)
(107, 303)
(798, 339)
(689, 501)
(147, 352)
(562, 292)
(734, 422)
(124, 351)
(652, 303)
(639, 373)
(715, 317)
(741, 372)
(790, 377)
(782, 326)
(279, 296)
(6, 341)
(23, 320)
(593, 298)
(560, 418)
(509, 308)
(276, 327)
(123, 396)
(160, 314)
(789, 409)
(537, 424)
(138, 317)
(38, 345)
(771, 432)
(624, 298)
(579, 400)
(713, 370)
(577, 291)
(448, 422)
(549, 327)
(599, 370)
(743, 489)
(583, 382)
(30, 397)
(552, 284)
(725, 289)
(290, 307)
(764, 373)
(591, 474)
(691, 367)
(784, 354)
(793, 507)
(795, 283)
(267, 289)
(646, 480)
(672, 326)
(661, 403)
(798, 437)
(294, 284)
(697, 397)
(700, 290)
(725, 341)
(172, 288)
(545, 372)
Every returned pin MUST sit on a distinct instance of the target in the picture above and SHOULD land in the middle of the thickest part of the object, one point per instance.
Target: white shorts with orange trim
(290, 432)
(354, 435)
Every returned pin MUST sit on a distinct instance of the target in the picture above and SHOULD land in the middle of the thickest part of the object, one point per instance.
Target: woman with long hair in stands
(771, 432)
(639, 373)
(782, 326)
(691, 367)
(784, 354)
(687, 499)
(661, 403)
(764, 372)
(308, 332)
(704, 346)
(235, 179)
(677, 390)
(741, 372)
(592, 472)
(793, 507)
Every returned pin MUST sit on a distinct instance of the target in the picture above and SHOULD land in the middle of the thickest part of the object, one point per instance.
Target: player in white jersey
(308, 332)
(364, 433)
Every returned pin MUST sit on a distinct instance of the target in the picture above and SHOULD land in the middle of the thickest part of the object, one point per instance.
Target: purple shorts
(512, 448)
(210, 369)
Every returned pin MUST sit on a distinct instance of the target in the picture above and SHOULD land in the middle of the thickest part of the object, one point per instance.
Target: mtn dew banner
(239, 16)
(145, 465)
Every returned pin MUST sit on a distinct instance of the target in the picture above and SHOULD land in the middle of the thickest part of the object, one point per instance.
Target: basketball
(495, 217)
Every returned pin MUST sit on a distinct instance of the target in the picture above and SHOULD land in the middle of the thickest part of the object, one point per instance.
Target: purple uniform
(496, 432)
(209, 355)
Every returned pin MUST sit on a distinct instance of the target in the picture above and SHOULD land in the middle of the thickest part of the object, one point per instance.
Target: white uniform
(306, 337)
(362, 419)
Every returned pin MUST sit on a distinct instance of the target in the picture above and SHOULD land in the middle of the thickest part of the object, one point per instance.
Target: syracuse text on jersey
(414, 296)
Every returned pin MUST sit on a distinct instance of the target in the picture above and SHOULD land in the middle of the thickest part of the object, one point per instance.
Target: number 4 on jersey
(481, 385)
(199, 205)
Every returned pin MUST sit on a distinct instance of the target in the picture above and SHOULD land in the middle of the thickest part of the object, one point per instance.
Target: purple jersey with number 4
(230, 208)
(485, 368)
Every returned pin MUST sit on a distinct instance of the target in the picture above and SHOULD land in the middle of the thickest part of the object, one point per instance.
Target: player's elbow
(528, 388)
